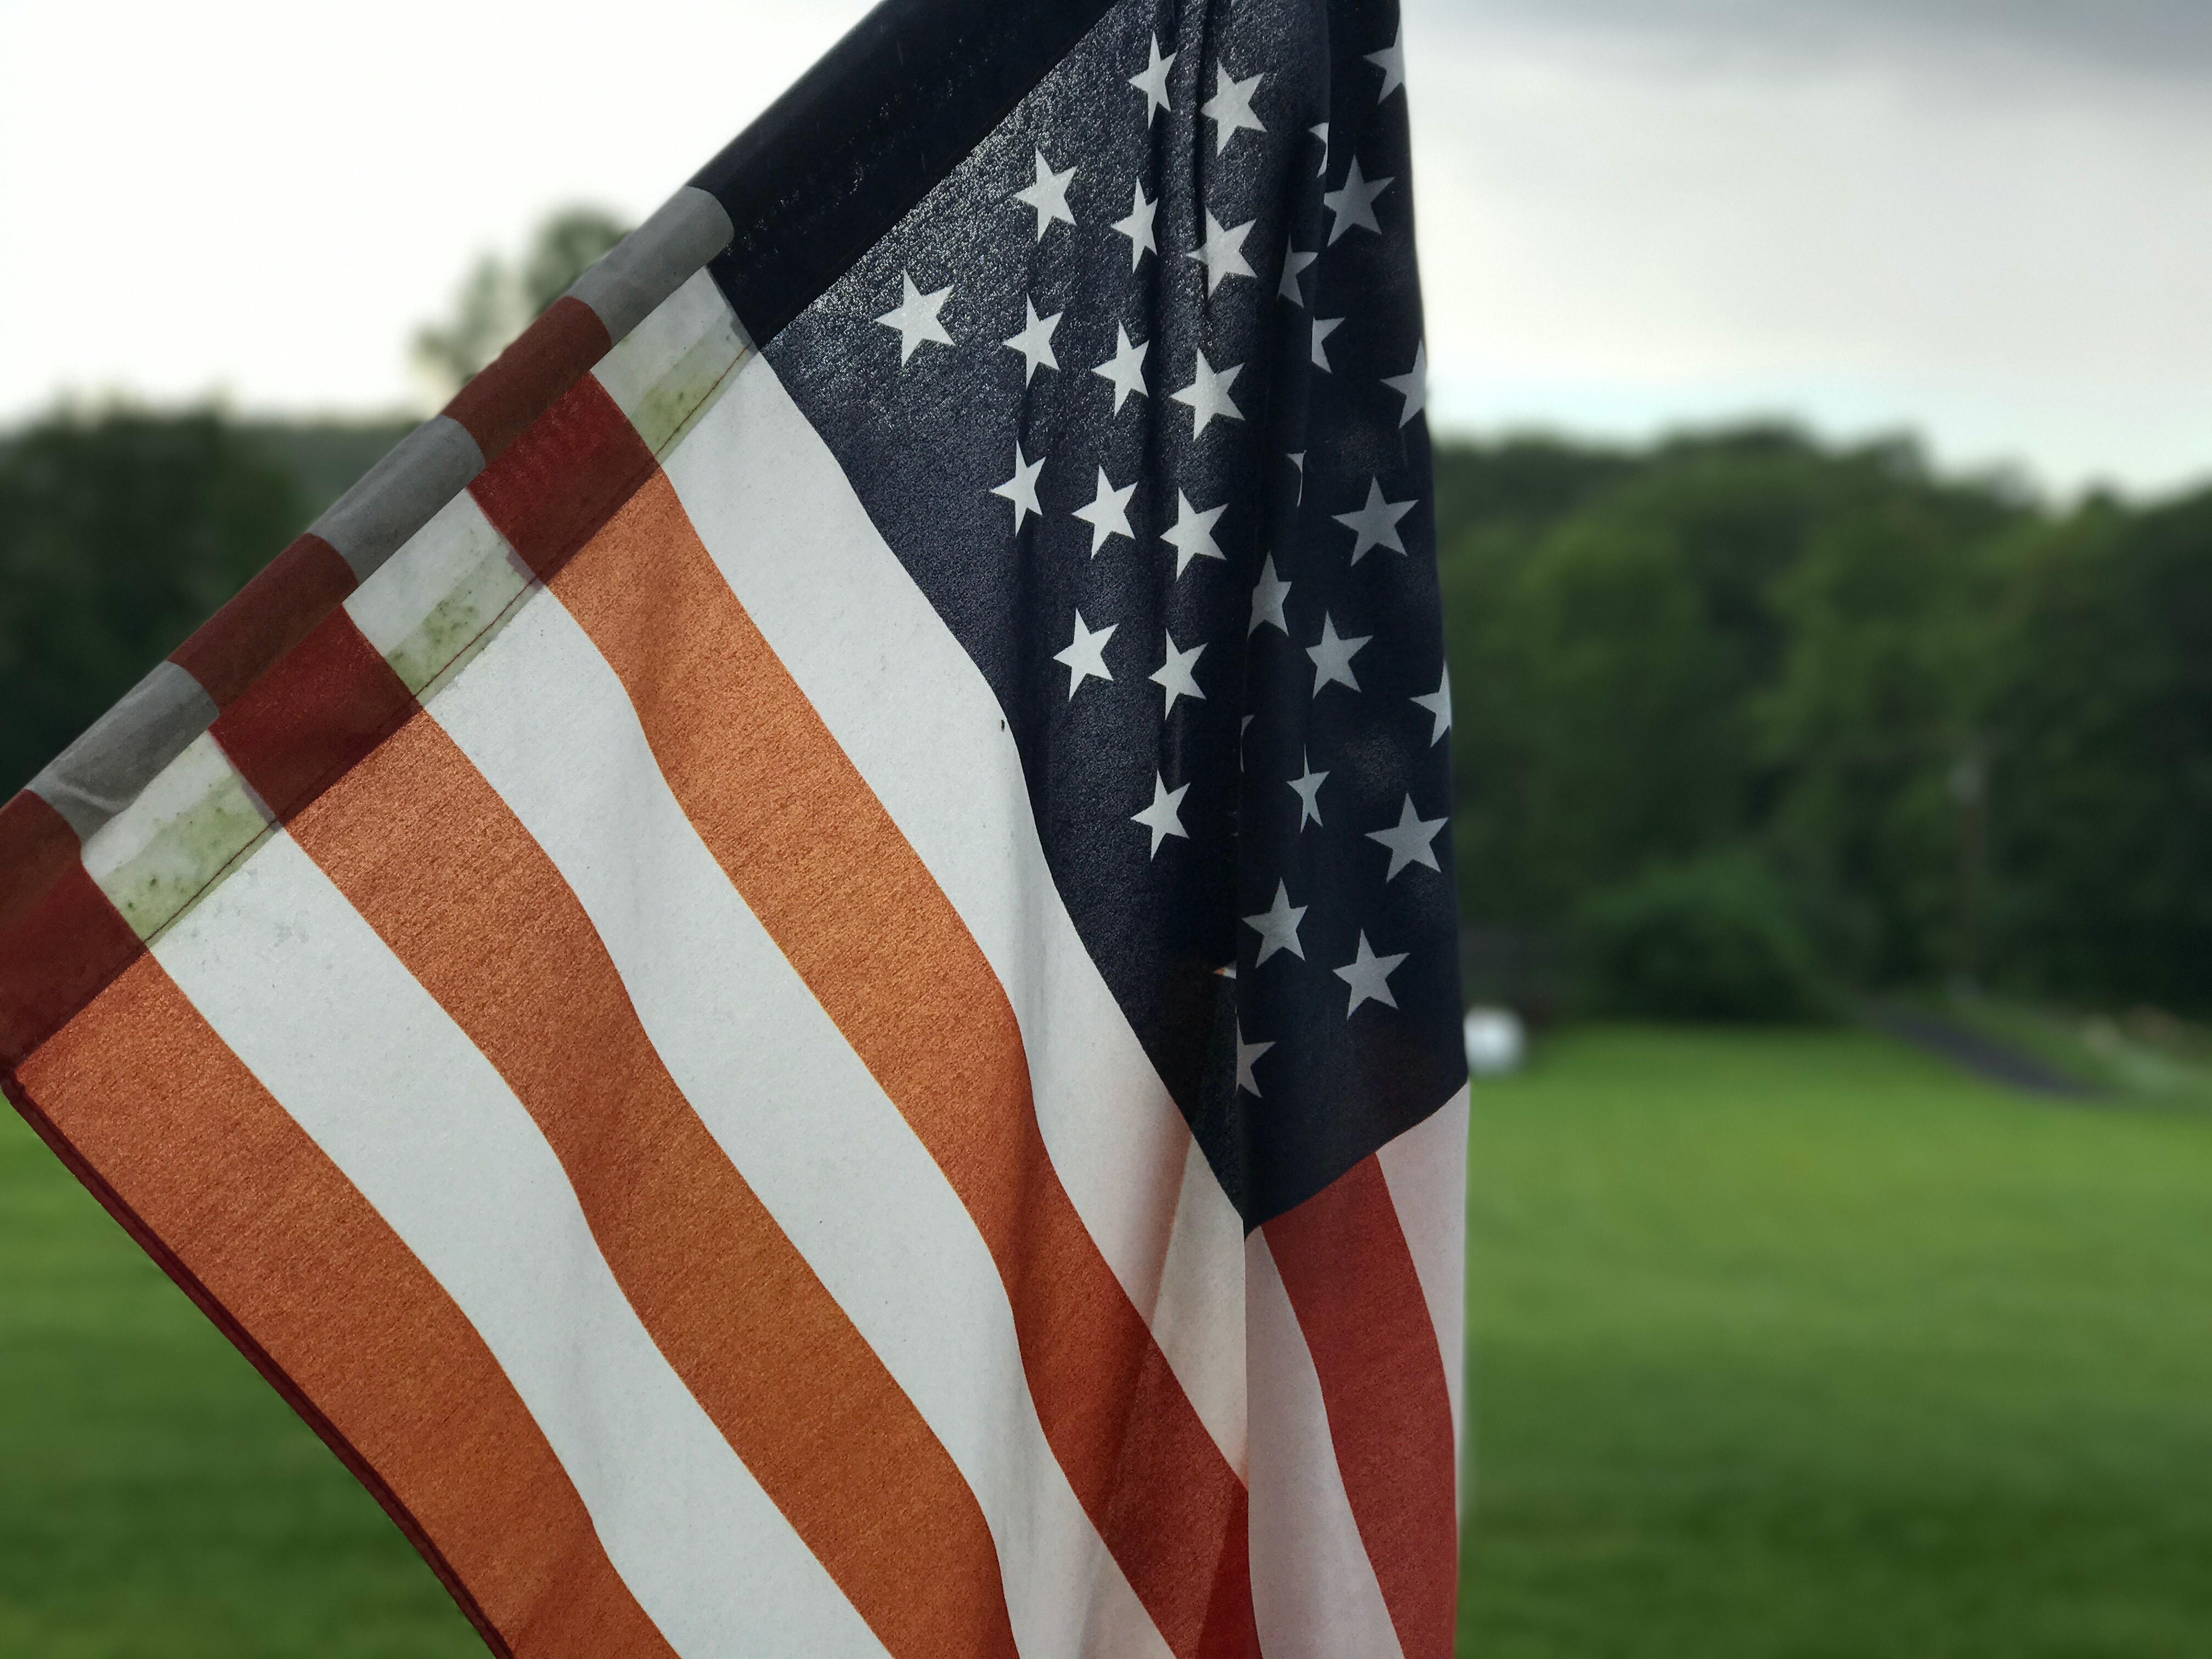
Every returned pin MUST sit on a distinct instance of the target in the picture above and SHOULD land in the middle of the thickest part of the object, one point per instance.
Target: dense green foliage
(1896, 727)
(1713, 939)
(1959, 733)
(119, 534)
(2100, 718)
(121, 531)
(1793, 1345)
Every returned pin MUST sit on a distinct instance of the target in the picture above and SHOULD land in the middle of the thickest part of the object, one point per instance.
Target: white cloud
(1621, 230)
(1948, 214)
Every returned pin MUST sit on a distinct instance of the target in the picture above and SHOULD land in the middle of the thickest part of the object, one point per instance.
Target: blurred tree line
(500, 297)
(1744, 723)
(121, 530)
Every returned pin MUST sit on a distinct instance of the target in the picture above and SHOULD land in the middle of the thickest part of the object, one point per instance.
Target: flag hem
(889, 112)
(107, 767)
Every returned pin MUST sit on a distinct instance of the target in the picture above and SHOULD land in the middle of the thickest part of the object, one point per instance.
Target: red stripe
(526, 379)
(181, 1144)
(302, 725)
(862, 920)
(549, 494)
(61, 941)
(36, 846)
(424, 848)
(1350, 1274)
(267, 617)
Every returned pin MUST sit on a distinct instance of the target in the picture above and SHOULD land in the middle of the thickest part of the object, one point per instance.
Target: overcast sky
(1981, 219)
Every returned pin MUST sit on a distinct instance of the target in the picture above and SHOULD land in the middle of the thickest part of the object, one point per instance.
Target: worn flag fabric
(798, 979)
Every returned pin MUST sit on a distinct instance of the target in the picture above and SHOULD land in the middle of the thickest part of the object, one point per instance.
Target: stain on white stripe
(1426, 1170)
(159, 855)
(1315, 1595)
(546, 720)
(367, 1063)
(663, 375)
(919, 722)
(440, 595)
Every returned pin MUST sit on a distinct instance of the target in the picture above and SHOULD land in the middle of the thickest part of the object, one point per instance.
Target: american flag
(799, 978)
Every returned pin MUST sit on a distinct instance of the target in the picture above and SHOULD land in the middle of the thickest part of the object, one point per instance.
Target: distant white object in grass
(1495, 1044)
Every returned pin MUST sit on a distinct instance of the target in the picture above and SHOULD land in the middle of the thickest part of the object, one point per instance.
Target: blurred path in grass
(157, 1500)
(1794, 1345)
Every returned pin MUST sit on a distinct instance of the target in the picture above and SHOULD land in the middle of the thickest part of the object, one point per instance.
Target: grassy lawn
(1797, 1345)
(157, 1500)
(1786, 1346)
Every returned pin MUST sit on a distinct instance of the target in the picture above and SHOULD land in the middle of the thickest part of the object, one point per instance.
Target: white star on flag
(1354, 204)
(916, 317)
(1035, 341)
(1369, 976)
(1320, 130)
(1138, 227)
(1126, 368)
(1223, 256)
(1408, 840)
(1439, 703)
(1413, 385)
(1268, 596)
(1229, 109)
(1085, 655)
(1307, 787)
(1297, 458)
(1246, 1054)
(1332, 656)
(1192, 533)
(1108, 513)
(1391, 60)
(1322, 328)
(1294, 264)
(1163, 818)
(1375, 525)
(1279, 927)
(1048, 195)
(1207, 394)
(1021, 489)
(1153, 82)
(1173, 675)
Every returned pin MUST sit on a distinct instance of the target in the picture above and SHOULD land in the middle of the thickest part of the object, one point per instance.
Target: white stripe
(546, 720)
(160, 853)
(673, 361)
(376, 1073)
(1426, 1170)
(921, 725)
(440, 595)
(1314, 1591)
(1201, 1304)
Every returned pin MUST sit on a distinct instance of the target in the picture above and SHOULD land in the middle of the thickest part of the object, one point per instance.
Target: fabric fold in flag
(799, 979)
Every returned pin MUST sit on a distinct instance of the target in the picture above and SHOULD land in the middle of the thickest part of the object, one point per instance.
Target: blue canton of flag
(1136, 393)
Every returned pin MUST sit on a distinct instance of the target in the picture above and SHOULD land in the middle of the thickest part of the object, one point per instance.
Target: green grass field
(1798, 1344)
(1786, 1346)
(157, 1500)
